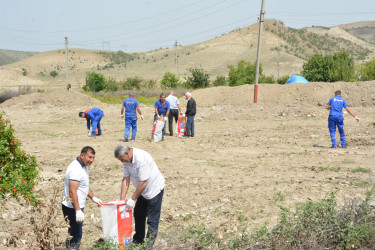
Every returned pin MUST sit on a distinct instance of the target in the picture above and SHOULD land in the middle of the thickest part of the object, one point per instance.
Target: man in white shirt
(141, 169)
(76, 190)
(175, 109)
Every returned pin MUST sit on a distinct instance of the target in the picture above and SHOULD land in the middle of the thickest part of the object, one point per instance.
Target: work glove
(357, 118)
(165, 118)
(158, 117)
(122, 116)
(142, 117)
(130, 203)
(96, 200)
(79, 216)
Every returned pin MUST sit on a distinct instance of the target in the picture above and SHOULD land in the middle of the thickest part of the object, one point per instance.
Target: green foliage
(119, 56)
(150, 84)
(283, 79)
(19, 171)
(95, 82)
(53, 73)
(169, 80)
(131, 83)
(245, 74)
(366, 71)
(112, 85)
(329, 68)
(220, 81)
(198, 79)
(24, 72)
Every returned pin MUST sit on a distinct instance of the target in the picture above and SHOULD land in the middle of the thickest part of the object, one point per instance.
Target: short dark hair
(80, 114)
(87, 149)
(162, 94)
(338, 92)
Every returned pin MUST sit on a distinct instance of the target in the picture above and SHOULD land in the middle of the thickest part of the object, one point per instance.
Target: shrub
(18, 170)
(366, 71)
(24, 72)
(244, 73)
(53, 73)
(131, 83)
(220, 81)
(198, 79)
(169, 80)
(283, 79)
(112, 85)
(95, 82)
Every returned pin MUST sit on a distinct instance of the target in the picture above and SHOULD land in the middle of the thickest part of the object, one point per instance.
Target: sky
(143, 25)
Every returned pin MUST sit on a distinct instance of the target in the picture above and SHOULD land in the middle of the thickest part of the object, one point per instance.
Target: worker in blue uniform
(130, 106)
(93, 117)
(335, 118)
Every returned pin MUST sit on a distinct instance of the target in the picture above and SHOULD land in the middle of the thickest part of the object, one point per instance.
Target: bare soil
(245, 160)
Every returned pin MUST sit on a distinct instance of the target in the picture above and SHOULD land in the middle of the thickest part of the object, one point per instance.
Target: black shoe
(126, 140)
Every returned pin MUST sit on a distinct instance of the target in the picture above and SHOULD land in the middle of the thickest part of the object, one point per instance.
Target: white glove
(158, 117)
(165, 118)
(96, 200)
(130, 203)
(357, 118)
(122, 116)
(142, 117)
(79, 216)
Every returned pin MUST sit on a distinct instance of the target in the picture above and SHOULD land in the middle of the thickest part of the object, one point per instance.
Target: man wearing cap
(93, 117)
(141, 169)
(131, 106)
(76, 190)
(175, 109)
(162, 108)
(335, 118)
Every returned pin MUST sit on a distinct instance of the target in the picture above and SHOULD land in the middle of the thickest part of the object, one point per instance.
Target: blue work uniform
(93, 117)
(162, 110)
(335, 119)
(130, 104)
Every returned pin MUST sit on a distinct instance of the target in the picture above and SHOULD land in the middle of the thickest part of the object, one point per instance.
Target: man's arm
(328, 106)
(138, 191)
(124, 187)
(88, 123)
(179, 107)
(73, 186)
(350, 112)
(90, 194)
(156, 111)
(167, 113)
(122, 110)
(140, 112)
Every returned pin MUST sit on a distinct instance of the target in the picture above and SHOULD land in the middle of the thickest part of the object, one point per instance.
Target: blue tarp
(296, 78)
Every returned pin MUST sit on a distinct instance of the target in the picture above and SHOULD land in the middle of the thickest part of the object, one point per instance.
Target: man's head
(123, 153)
(187, 95)
(131, 94)
(82, 114)
(87, 155)
(338, 92)
(170, 93)
(162, 97)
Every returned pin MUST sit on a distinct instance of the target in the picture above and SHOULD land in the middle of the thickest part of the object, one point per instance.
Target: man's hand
(357, 118)
(79, 216)
(142, 117)
(96, 200)
(130, 203)
(165, 118)
(122, 116)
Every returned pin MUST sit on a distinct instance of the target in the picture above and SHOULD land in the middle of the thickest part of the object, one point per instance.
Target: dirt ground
(245, 160)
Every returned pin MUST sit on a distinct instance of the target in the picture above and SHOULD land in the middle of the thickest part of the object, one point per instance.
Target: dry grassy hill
(284, 50)
(10, 56)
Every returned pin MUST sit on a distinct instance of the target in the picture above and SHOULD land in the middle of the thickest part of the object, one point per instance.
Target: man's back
(337, 103)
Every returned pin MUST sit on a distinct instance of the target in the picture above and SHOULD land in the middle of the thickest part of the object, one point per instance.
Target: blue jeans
(130, 122)
(165, 126)
(149, 209)
(96, 124)
(190, 126)
(333, 122)
(75, 229)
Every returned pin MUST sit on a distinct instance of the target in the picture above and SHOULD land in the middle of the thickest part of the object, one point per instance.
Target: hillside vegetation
(11, 56)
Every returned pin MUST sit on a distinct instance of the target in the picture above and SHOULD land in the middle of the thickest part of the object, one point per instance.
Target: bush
(131, 83)
(199, 79)
(95, 82)
(366, 71)
(112, 85)
(282, 80)
(18, 170)
(220, 81)
(169, 80)
(53, 73)
(245, 74)
(24, 72)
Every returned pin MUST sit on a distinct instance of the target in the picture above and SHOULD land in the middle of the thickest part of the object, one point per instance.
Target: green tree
(220, 81)
(169, 80)
(366, 71)
(95, 82)
(19, 171)
(198, 79)
(243, 74)
(131, 83)
(53, 73)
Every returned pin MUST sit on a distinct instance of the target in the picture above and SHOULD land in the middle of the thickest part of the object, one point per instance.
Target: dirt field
(245, 160)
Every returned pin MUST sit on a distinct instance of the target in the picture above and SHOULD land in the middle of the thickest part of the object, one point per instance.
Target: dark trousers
(75, 229)
(149, 209)
(173, 113)
(190, 126)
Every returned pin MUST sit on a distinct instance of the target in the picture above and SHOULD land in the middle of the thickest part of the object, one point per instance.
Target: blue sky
(138, 25)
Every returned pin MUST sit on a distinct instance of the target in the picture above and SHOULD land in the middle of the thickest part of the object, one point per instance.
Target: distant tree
(329, 68)
(169, 80)
(198, 79)
(366, 71)
(245, 74)
(220, 81)
(95, 82)
(53, 73)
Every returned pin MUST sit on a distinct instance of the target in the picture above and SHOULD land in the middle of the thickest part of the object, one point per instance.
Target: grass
(361, 170)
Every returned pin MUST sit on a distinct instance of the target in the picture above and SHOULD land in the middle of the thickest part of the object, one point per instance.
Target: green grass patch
(361, 170)
(119, 99)
(348, 161)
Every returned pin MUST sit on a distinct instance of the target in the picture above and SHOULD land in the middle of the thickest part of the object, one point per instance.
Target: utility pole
(66, 63)
(176, 59)
(261, 21)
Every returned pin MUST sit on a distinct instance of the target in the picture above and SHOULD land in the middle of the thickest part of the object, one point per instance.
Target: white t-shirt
(143, 167)
(76, 172)
(173, 101)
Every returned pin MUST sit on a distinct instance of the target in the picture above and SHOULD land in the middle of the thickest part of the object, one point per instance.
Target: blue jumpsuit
(93, 117)
(335, 119)
(130, 105)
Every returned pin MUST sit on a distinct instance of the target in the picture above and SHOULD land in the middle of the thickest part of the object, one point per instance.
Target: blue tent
(296, 78)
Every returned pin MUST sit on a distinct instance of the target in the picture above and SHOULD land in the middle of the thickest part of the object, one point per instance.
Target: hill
(11, 56)
(363, 30)
(283, 52)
